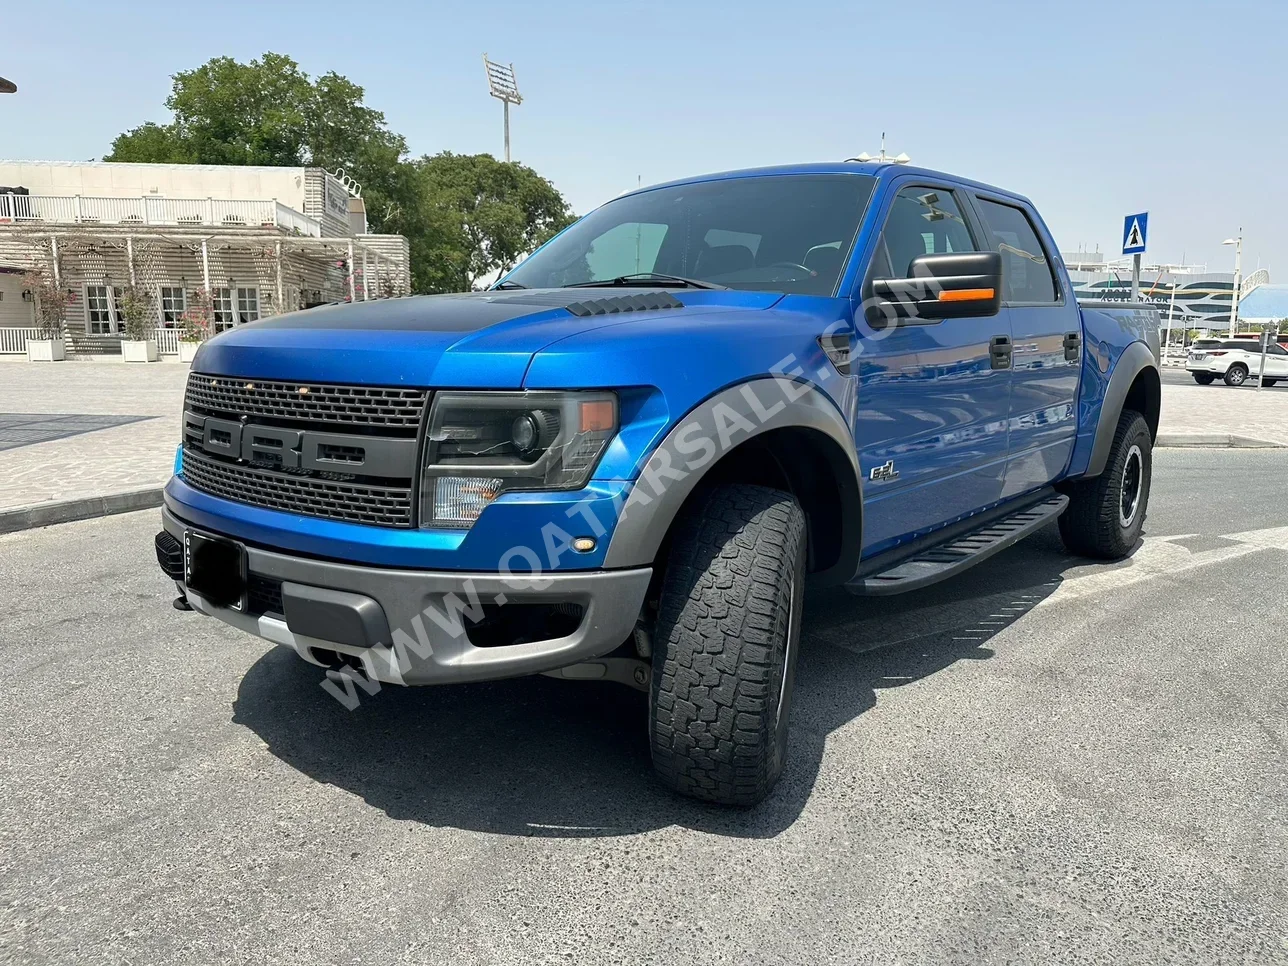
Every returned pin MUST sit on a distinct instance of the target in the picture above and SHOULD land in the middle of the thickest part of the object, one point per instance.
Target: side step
(947, 559)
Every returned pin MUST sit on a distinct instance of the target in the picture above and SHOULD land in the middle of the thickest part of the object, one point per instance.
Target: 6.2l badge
(884, 472)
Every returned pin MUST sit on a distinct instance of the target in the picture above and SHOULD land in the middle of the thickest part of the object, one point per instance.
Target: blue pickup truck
(626, 459)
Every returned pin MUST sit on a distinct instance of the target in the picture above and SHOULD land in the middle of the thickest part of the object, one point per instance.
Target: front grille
(308, 402)
(263, 595)
(385, 506)
(308, 423)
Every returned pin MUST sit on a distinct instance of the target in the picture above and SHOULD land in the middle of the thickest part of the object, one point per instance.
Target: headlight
(481, 444)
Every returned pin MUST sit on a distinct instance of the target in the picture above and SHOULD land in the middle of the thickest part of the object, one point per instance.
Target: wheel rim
(1237, 377)
(1133, 480)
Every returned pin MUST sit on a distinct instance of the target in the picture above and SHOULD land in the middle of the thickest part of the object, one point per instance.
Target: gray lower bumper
(423, 610)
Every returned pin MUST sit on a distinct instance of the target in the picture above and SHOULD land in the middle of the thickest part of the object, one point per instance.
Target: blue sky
(1093, 109)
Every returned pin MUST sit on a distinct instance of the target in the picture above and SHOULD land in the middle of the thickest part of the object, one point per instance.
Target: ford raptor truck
(625, 459)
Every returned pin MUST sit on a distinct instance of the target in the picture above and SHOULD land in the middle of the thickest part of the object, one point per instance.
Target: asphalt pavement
(1045, 761)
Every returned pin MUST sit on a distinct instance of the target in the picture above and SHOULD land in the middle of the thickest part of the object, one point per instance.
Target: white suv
(1236, 361)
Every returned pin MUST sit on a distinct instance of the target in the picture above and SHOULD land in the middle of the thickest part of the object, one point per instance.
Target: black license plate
(215, 569)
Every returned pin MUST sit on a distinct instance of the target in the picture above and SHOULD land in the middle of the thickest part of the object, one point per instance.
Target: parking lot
(1043, 760)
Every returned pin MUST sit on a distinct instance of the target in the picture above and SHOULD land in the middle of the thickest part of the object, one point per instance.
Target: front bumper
(423, 613)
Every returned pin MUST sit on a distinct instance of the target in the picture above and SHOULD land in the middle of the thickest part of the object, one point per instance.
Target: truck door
(1047, 356)
(934, 394)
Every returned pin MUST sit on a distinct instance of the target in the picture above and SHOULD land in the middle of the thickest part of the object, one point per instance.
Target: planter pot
(188, 351)
(145, 351)
(46, 350)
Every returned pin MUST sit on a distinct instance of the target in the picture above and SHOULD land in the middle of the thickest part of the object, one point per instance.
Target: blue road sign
(1134, 228)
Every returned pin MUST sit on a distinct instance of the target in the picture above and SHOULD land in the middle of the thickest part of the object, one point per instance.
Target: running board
(948, 559)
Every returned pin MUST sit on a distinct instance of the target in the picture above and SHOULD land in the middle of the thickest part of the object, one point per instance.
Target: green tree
(270, 112)
(465, 216)
(480, 216)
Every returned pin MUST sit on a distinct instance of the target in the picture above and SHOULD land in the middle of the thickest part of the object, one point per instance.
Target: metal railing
(149, 210)
(14, 341)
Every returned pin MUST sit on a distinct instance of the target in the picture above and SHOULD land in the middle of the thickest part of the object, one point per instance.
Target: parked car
(1236, 361)
(625, 459)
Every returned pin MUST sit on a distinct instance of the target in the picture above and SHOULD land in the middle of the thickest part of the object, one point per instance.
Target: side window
(1026, 273)
(922, 221)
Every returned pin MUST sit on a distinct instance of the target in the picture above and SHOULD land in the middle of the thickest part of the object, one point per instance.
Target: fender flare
(715, 427)
(1135, 358)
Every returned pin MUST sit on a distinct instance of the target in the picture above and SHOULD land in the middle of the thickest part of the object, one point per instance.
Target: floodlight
(502, 85)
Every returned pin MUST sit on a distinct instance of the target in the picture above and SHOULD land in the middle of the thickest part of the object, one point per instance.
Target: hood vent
(604, 305)
(612, 304)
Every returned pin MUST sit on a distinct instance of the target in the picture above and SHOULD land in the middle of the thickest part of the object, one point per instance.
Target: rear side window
(1026, 273)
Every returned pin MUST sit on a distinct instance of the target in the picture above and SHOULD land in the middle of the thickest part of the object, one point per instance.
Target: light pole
(502, 86)
(1238, 279)
(1171, 314)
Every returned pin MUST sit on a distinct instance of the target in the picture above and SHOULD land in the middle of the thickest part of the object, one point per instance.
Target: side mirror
(954, 286)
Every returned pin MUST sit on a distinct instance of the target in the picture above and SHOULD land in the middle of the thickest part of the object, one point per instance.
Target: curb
(84, 508)
(1212, 441)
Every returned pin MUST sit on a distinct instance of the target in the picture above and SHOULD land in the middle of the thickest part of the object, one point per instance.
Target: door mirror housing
(952, 286)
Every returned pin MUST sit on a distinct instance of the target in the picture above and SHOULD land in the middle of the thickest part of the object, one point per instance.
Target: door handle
(1072, 346)
(999, 352)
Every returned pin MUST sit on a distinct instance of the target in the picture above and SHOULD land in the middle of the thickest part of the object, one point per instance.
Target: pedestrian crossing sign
(1134, 228)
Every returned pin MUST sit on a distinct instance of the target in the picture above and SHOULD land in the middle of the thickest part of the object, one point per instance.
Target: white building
(259, 240)
(1193, 296)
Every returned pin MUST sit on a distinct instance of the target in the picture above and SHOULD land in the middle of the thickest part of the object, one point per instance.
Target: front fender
(713, 428)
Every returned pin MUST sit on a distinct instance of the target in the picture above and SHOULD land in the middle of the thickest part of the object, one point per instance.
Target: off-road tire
(1092, 525)
(1204, 378)
(1236, 375)
(725, 645)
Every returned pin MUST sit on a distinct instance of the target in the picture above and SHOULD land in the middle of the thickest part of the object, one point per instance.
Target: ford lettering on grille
(341, 452)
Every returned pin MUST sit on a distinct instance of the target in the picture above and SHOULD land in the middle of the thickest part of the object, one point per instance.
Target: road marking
(1162, 557)
(1156, 558)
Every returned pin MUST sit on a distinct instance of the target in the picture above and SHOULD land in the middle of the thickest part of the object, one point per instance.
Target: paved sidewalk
(98, 463)
(128, 457)
(1199, 410)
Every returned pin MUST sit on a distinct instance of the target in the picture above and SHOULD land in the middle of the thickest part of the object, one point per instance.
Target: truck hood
(473, 340)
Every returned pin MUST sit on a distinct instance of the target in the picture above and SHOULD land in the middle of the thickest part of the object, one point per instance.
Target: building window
(101, 310)
(173, 304)
(221, 302)
(247, 304)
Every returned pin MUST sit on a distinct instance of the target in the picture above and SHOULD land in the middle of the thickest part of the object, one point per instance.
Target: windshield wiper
(648, 278)
(508, 284)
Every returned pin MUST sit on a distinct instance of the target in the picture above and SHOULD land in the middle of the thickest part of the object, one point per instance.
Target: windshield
(779, 233)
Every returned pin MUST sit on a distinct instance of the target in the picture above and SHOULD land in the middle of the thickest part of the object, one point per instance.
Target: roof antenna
(882, 158)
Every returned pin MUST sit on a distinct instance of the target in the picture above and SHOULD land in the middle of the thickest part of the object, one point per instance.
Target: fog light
(458, 500)
(584, 544)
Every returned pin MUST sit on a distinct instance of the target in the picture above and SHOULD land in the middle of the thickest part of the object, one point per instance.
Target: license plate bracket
(215, 569)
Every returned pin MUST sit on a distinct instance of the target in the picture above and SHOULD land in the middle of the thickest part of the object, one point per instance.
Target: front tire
(1204, 378)
(1236, 375)
(1106, 514)
(724, 652)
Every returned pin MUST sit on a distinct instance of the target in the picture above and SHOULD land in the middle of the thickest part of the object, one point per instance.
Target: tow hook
(624, 670)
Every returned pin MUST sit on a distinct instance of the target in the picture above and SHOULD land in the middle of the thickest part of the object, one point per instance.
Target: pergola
(201, 240)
